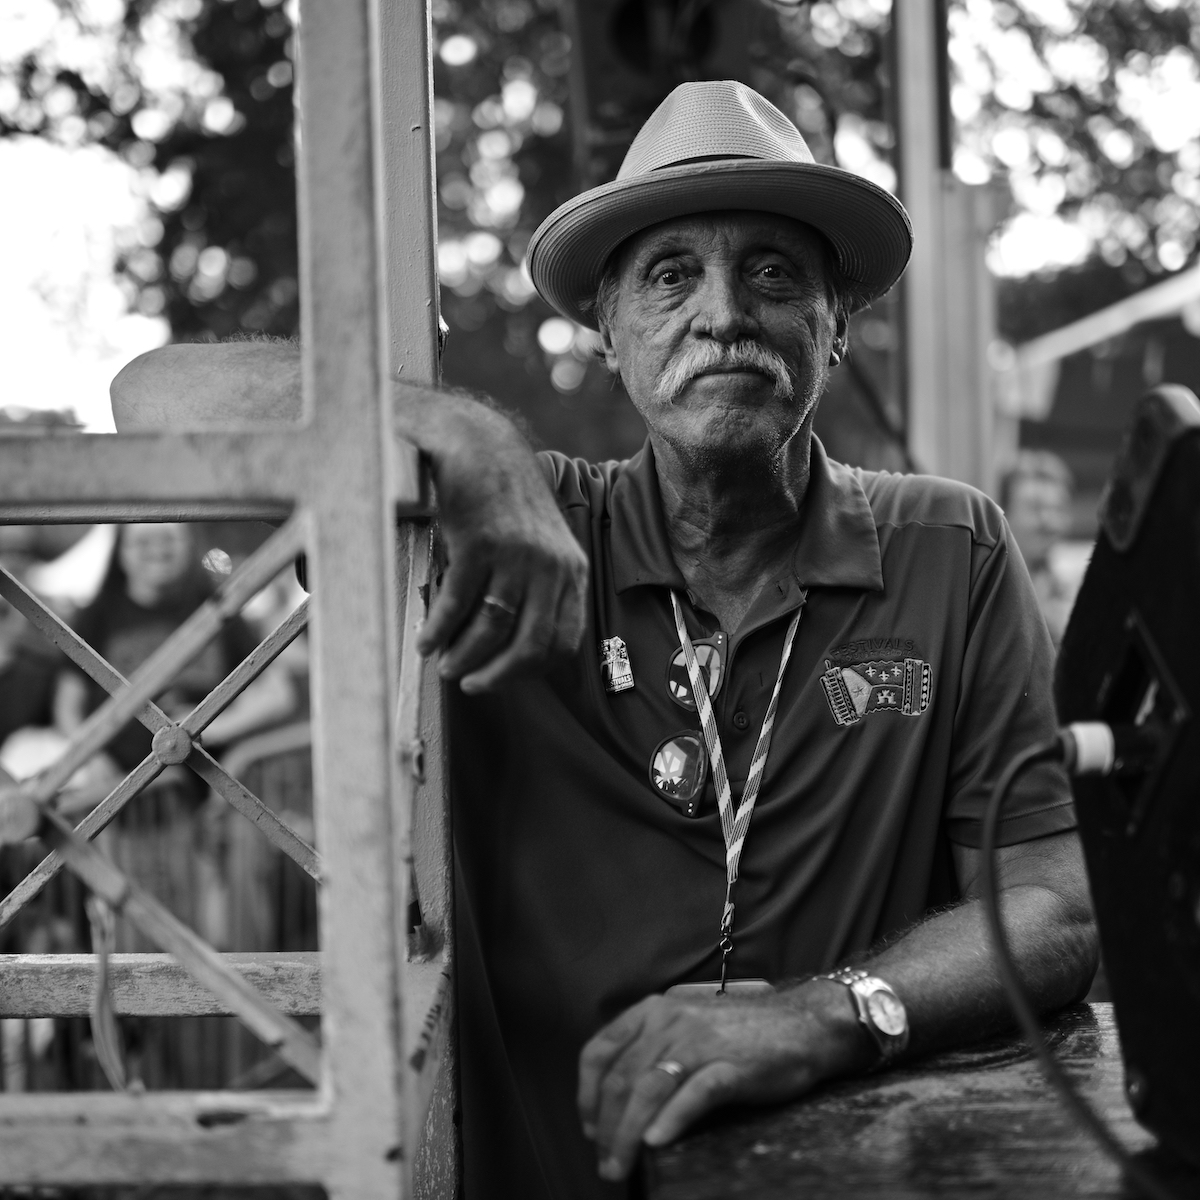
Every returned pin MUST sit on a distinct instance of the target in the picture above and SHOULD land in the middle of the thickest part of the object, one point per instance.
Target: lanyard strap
(734, 824)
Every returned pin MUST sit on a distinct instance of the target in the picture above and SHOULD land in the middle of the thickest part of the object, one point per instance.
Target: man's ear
(841, 338)
(607, 352)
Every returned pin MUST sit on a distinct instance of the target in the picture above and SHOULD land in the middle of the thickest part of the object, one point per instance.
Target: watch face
(888, 1013)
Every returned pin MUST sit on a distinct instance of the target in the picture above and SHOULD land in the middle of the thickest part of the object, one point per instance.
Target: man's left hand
(752, 1049)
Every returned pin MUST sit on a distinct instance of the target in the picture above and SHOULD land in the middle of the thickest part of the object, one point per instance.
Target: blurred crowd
(125, 589)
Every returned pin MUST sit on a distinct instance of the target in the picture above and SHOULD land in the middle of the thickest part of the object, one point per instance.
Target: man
(860, 652)
(1035, 494)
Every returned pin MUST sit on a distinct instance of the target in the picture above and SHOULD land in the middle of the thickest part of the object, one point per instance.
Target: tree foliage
(1092, 113)
(196, 96)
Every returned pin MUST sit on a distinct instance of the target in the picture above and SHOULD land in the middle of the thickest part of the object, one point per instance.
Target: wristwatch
(880, 1011)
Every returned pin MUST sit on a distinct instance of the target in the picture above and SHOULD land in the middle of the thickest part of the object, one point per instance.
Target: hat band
(703, 158)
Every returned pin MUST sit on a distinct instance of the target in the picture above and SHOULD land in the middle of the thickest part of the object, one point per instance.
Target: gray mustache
(699, 357)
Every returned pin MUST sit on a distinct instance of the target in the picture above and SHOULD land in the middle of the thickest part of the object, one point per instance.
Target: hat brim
(867, 226)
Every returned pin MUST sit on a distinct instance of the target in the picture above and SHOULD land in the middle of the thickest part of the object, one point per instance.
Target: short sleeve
(576, 483)
(1005, 705)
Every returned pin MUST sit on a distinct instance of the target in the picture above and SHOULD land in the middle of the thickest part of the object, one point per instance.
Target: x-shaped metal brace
(28, 808)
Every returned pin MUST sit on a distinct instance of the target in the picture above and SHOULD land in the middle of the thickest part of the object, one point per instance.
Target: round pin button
(740, 720)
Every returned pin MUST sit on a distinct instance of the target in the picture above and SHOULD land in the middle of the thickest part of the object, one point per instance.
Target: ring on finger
(494, 606)
(669, 1066)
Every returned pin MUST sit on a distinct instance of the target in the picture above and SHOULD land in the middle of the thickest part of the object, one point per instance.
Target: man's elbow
(1074, 946)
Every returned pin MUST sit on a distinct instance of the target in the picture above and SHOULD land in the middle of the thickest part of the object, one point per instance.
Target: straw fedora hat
(707, 147)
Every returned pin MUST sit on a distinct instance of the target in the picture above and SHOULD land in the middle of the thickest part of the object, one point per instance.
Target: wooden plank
(71, 512)
(148, 985)
(981, 1121)
(162, 1137)
(173, 476)
(253, 467)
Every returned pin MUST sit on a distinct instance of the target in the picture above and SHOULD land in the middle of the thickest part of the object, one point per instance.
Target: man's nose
(723, 308)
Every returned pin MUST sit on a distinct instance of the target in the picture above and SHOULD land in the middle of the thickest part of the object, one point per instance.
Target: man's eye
(670, 276)
(772, 271)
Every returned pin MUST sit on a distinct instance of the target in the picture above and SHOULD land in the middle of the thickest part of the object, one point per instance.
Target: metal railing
(375, 1125)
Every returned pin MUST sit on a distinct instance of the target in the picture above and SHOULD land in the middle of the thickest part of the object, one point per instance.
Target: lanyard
(734, 824)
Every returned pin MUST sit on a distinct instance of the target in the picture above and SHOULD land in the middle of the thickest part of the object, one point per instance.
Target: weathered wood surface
(147, 985)
(89, 1138)
(977, 1122)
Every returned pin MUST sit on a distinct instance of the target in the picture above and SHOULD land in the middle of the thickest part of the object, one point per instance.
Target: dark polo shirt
(921, 665)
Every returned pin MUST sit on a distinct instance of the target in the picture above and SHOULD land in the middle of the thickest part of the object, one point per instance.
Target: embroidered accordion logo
(857, 691)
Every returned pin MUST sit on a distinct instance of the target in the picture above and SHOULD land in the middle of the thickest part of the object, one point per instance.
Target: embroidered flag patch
(881, 685)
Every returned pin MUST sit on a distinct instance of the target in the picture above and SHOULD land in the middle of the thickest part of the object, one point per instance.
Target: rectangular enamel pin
(614, 665)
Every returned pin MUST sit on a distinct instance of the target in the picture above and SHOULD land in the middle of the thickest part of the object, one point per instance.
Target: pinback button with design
(678, 769)
(710, 654)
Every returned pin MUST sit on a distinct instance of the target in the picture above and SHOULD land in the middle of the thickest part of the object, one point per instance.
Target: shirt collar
(836, 541)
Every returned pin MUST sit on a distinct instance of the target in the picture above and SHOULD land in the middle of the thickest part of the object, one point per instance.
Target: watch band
(889, 1028)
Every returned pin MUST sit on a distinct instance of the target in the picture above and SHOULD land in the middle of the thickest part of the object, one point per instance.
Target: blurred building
(1072, 391)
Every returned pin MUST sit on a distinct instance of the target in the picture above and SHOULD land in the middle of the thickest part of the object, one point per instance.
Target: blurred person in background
(155, 581)
(1036, 497)
(28, 662)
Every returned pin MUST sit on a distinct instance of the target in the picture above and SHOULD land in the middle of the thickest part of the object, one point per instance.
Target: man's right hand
(513, 596)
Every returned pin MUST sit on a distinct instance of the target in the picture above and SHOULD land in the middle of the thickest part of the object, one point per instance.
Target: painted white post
(948, 307)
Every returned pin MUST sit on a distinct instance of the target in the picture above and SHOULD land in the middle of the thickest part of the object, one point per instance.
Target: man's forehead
(736, 229)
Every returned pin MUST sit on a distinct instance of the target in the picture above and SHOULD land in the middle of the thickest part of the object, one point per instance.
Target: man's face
(722, 332)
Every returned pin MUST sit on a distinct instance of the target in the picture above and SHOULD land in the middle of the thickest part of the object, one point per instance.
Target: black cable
(1023, 1011)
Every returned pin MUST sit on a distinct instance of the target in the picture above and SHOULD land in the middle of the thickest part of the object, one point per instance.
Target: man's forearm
(194, 385)
(945, 972)
(512, 598)
(774, 1047)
